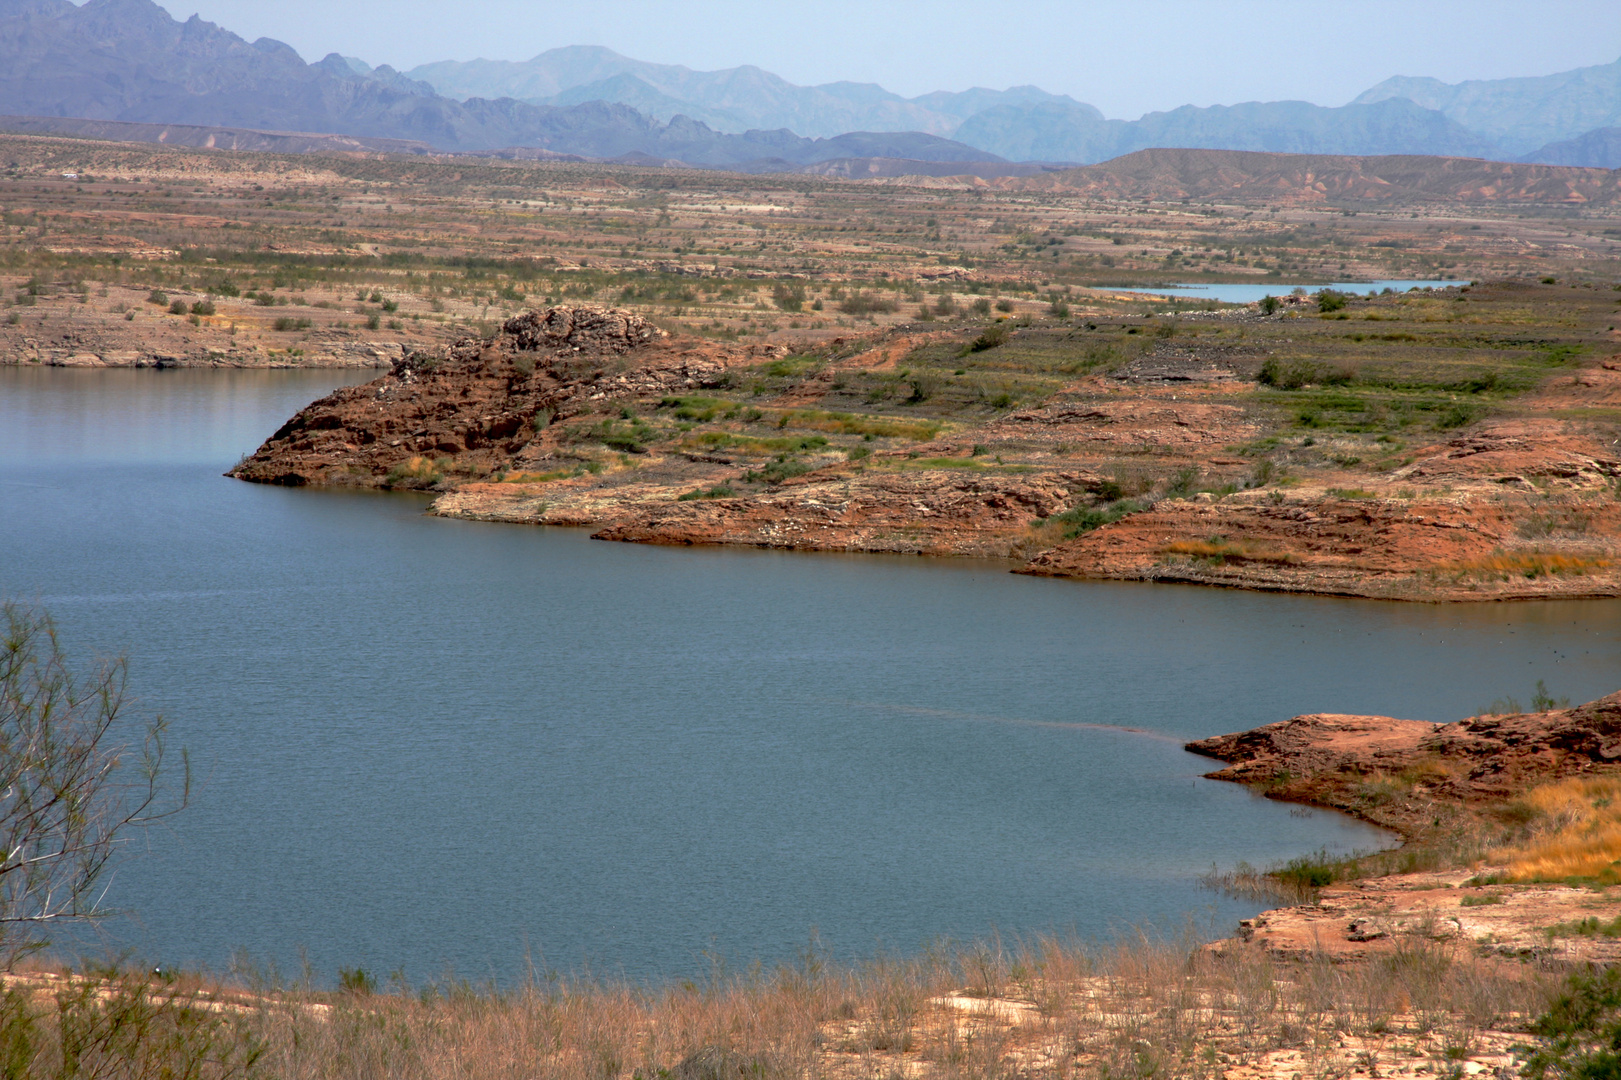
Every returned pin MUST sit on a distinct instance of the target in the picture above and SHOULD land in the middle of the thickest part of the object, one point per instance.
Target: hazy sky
(1126, 58)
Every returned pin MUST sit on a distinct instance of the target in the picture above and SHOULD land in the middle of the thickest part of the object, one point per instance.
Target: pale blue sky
(1127, 58)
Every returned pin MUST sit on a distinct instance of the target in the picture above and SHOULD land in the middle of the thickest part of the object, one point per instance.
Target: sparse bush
(866, 303)
(158, 297)
(287, 323)
(1269, 305)
(415, 471)
(1331, 300)
(203, 307)
(789, 297)
(1581, 1031)
(357, 981)
(782, 468)
(990, 338)
(1298, 373)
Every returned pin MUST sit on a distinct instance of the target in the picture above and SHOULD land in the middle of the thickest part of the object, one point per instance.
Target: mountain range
(1516, 119)
(129, 62)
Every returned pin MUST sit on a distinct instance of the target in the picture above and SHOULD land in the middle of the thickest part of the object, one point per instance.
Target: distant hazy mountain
(129, 61)
(1600, 149)
(1320, 178)
(1051, 132)
(1522, 114)
(734, 100)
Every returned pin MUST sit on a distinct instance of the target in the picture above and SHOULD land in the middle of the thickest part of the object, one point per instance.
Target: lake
(428, 745)
(1244, 293)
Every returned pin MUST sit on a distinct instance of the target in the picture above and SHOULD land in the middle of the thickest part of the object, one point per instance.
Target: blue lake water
(1243, 293)
(424, 744)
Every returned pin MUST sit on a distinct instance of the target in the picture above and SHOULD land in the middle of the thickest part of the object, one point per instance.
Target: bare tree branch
(69, 789)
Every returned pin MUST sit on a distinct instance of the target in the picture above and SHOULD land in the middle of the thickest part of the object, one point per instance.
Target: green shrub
(789, 297)
(203, 307)
(1588, 927)
(990, 338)
(357, 981)
(777, 471)
(178, 307)
(1083, 519)
(1457, 416)
(1331, 300)
(158, 297)
(865, 303)
(1581, 1031)
(1308, 872)
(1269, 305)
(719, 491)
(287, 322)
(1294, 374)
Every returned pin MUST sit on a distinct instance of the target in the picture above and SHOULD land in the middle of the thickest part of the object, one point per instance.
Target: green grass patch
(774, 473)
(966, 464)
(793, 367)
(755, 446)
(719, 491)
(1591, 926)
(850, 424)
(700, 409)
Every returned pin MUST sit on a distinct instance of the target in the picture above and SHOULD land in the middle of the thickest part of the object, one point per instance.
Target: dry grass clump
(1577, 832)
(536, 477)
(415, 470)
(1504, 565)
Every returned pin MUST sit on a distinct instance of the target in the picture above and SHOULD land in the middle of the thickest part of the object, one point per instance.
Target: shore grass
(1503, 565)
(1142, 1007)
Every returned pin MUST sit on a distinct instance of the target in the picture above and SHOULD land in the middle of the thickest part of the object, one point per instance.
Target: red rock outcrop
(483, 401)
(933, 512)
(1512, 509)
(1329, 759)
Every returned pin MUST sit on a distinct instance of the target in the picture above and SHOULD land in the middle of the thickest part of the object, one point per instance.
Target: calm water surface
(424, 744)
(1241, 293)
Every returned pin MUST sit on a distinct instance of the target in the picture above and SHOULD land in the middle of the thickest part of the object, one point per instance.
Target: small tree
(1269, 304)
(70, 787)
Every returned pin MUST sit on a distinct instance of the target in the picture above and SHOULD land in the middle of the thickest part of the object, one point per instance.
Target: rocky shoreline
(592, 417)
(1431, 784)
